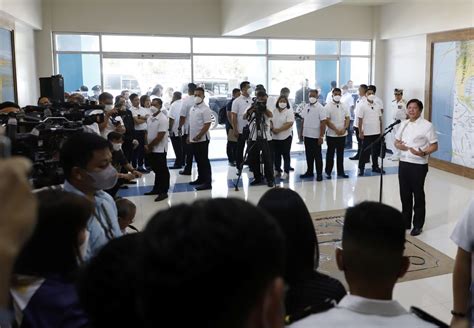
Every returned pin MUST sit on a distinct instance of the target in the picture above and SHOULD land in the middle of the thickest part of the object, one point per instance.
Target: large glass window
(291, 47)
(229, 70)
(325, 47)
(142, 75)
(355, 48)
(79, 69)
(356, 69)
(229, 46)
(147, 44)
(291, 74)
(77, 42)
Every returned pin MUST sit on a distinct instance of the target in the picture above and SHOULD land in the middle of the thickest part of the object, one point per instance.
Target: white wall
(27, 11)
(26, 73)
(338, 22)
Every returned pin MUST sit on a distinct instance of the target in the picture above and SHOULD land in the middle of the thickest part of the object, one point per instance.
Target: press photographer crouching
(259, 137)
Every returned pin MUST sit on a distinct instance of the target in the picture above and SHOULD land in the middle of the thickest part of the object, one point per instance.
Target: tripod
(380, 139)
(261, 142)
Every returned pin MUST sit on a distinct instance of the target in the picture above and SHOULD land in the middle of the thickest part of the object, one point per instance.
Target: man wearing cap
(399, 112)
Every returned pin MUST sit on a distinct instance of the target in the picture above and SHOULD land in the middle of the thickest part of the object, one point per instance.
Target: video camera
(39, 136)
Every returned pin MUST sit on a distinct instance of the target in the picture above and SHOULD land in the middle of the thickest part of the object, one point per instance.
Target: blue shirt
(103, 224)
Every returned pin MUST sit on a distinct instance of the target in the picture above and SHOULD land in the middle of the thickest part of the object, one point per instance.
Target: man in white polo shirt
(416, 139)
(314, 126)
(140, 116)
(399, 112)
(157, 137)
(239, 107)
(370, 128)
(338, 122)
(200, 119)
(359, 102)
(186, 106)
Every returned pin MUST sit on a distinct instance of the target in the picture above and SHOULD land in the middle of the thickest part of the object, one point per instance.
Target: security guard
(399, 111)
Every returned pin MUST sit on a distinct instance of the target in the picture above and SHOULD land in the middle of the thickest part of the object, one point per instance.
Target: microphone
(393, 124)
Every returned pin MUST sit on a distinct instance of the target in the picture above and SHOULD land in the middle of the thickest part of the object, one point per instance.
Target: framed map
(7, 66)
(450, 99)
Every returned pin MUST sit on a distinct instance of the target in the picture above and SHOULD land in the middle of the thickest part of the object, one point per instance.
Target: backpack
(222, 115)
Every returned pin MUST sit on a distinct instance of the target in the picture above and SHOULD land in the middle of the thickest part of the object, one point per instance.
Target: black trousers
(335, 145)
(374, 150)
(350, 132)
(162, 174)
(411, 178)
(176, 141)
(139, 152)
(359, 141)
(231, 148)
(187, 154)
(239, 152)
(127, 148)
(313, 155)
(263, 147)
(282, 148)
(201, 154)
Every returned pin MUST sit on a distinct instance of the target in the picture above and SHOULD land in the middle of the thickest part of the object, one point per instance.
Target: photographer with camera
(112, 120)
(259, 117)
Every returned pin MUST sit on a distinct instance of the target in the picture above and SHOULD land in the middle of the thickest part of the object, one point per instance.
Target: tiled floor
(446, 195)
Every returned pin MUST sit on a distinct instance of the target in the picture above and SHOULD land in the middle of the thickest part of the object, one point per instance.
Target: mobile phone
(5, 147)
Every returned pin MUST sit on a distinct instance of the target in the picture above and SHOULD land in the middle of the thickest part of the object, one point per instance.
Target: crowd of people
(69, 261)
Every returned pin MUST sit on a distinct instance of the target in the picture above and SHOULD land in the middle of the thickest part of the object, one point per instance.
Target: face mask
(337, 98)
(83, 247)
(108, 107)
(104, 179)
(313, 100)
(197, 100)
(249, 91)
(153, 109)
(282, 105)
(117, 147)
(371, 97)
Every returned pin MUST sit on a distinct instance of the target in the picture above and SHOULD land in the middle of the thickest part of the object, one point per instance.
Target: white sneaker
(285, 176)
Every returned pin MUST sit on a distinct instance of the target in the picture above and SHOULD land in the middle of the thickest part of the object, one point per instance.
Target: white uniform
(336, 113)
(313, 115)
(144, 113)
(399, 111)
(463, 233)
(356, 311)
(110, 126)
(370, 115)
(174, 113)
(155, 125)
(359, 103)
(186, 106)
(279, 119)
(348, 101)
(239, 107)
(419, 134)
(198, 116)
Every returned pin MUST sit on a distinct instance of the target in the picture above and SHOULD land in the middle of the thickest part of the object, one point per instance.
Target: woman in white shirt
(281, 127)
(416, 139)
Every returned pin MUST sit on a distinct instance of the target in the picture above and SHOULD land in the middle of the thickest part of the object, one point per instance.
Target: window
(291, 47)
(77, 42)
(78, 70)
(327, 47)
(229, 46)
(355, 48)
(356, 69)
(290, 74)
(146, 44)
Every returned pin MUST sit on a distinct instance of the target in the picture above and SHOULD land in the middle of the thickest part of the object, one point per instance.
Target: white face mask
(108, 107)
(197, 100)
(282, 105)
(337, 98)
(153, 109)
(249, 91)
(313, 100)
(117, 147)
(371, 97)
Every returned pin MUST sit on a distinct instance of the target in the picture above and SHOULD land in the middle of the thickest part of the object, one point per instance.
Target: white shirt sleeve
(463, 234)
(290, 116)
(432, 137)
(207, 116)
(234, 106)
(347, 111)
(323, 115)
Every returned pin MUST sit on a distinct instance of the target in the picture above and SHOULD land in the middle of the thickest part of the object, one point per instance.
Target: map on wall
(453, 101)
(7, 83)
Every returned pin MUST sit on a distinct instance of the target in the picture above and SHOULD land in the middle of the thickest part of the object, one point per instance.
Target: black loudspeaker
(53, 88)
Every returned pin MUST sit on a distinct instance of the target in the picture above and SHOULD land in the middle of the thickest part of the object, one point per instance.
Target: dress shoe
(232, 164)
(271, 184)
(195, 183)
(416, 231)
(307, 175)
(343, 175)
(152, 192)
(378, 170)
(132, 182)
(205, 186)
(319, 177)
(292, 168)
(361, 173)
(256, 182)
(328, 176)
(354, 158)
(161, 197)
(184, 172)
(175, 167)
